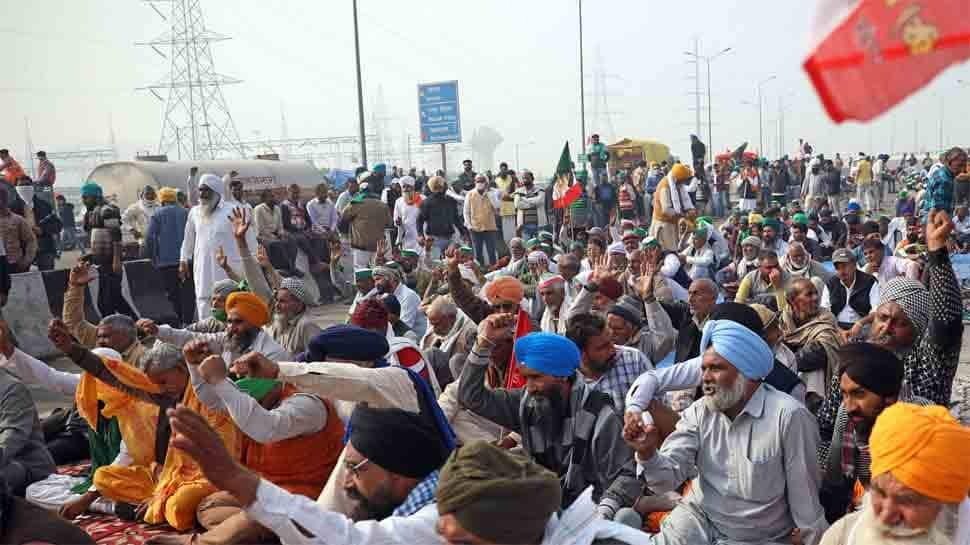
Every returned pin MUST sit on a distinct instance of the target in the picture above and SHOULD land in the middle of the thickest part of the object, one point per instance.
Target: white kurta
(408, 214)
(203, 237)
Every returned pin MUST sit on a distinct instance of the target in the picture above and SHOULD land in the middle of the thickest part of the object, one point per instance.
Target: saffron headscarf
(249, 307)
(167, 194)
(734, 342)
(924, 448)
(504, 289)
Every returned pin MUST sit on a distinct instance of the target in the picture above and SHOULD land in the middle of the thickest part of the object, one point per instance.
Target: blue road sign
(438, 112)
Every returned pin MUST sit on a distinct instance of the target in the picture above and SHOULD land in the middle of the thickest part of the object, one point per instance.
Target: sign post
(439, 115)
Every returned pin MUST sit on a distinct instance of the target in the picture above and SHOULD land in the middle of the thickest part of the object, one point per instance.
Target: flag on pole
(564, 191)
(871, 54)
(513, 378)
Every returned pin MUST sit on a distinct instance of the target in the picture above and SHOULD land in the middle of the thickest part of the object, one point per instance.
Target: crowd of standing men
(591, 360)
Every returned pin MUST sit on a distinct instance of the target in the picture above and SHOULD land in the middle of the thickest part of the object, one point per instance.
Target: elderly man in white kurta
(208, 229)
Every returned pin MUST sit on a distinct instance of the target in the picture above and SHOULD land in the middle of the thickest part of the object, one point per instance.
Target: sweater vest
(481, 213)
(859, 301)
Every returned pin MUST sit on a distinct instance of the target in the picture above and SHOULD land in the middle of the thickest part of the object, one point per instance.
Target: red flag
(514, 379)
(871, 54)
(569, 197)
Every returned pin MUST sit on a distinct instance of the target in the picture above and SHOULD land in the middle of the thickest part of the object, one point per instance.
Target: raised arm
(85, 332)
(499, 405)
(647, 386)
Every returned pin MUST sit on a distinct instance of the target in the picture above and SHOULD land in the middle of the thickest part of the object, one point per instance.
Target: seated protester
(569, 269)
(217, 322)
(923, 326)
(772, 236)
(24, 458)
(630, 278)
(289, 438)
(450, 335)
(675, 279)
(919, 476)
(417, 272)
(883, 265)
(738, 420)
(67, 437)
(851, 294)
(364, 284)
(689, 374)
(699, 258)
(766, 284)
(393, 308)
(171, 492)
(25, 523)
(654, 338)
(746, 262)
(798, 263)
(388, 279)
(870, 378)
(603, 365)
(552, 290)
(772, 334)
(247, 314)
(801, 232)
(832, 232)
(702, 297)
(346, 364)
(602, 290)
(516, 264)
(716, 240)
(591, 452)
(811, 332)
(372, 315)
(503, 294)
(291, 325)
(455, 504)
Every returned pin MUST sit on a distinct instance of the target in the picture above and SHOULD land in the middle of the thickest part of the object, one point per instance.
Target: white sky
(71, 65)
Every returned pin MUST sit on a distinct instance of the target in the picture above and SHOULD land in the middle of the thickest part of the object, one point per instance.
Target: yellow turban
(167, 194)
(755, 218)
(504, 289)
(249, 307)
(680, 172)
(924, 448)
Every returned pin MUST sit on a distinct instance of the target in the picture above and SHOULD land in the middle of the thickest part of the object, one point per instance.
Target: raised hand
(641, 438)
(148, 327)
(938, 229)
(240, 223)
(60, 335)
(196, 351)
(255, 365)
(213, 369)
(453, 261)
(80, 274)
(262, 257)
(495, 326)
(221, 260)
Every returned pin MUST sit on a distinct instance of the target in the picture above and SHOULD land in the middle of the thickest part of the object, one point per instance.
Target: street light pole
(360, 93)
(710, 124)
(761, 137)
(582, 91)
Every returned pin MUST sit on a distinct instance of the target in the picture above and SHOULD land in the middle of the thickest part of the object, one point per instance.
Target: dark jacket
(832, 181)
(439, 215)
(67, 215)
(50, 226)
(286, 216)
(859, 301)
(779, 181)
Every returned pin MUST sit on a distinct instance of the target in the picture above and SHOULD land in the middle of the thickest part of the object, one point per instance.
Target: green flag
(565, 161)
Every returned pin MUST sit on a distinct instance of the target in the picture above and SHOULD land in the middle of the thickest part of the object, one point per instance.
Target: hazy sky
(73, 64)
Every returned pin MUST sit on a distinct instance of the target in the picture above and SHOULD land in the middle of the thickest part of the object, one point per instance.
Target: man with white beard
(208, 229)
(750, 447)
(919, 475)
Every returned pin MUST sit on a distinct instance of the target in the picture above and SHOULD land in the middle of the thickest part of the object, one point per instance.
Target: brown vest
(481, 213)
(301, 464)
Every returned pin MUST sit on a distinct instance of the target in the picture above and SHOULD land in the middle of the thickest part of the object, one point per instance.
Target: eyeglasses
(235, 321)
(354, 469)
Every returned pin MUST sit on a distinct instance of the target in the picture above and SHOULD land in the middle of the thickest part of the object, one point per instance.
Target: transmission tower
(197, 123)
(602, 118)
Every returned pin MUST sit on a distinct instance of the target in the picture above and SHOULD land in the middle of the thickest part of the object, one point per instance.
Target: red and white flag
(868, 55)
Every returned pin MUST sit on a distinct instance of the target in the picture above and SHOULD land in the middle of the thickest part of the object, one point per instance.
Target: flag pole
(582, 90)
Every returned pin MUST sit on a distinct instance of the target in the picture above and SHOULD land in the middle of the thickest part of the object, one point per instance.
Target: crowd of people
(608, 358)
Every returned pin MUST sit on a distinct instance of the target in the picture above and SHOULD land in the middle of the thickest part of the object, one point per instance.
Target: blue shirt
(163, 242)
(939, 191)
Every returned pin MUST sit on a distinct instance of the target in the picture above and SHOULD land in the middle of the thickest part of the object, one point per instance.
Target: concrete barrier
(28, 313)
(142, 287)
(55, 284)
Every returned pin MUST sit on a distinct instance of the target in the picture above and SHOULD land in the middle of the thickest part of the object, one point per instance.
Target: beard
(208, 205)
(281, 321)
(721, 399)
(240, 343)
(378, 507)
(548, 407)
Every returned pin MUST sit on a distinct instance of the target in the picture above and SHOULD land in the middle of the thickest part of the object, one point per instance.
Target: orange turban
(680, 172)
(504, 289)
(924, 448)
(167, 194)
(249, 307)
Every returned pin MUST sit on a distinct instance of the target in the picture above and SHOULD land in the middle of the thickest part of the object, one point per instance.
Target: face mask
(480, 187)
(219, 314)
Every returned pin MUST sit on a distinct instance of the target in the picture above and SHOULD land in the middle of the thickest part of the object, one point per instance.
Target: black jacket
(832, 182)
(439, 216)
(859, 301)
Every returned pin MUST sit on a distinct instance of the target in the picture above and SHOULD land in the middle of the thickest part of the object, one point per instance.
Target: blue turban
(746, 351)
(380, 167)
(346, 342)
(91, 189)
(547, 353)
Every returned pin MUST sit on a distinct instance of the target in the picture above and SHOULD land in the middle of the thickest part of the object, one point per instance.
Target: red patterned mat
(109, 530)
(75, 469)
